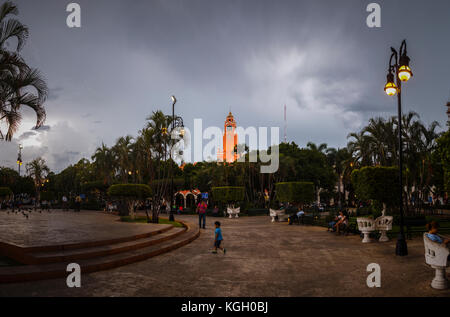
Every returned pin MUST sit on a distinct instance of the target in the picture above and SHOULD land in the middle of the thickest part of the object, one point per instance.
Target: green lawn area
(162, 221)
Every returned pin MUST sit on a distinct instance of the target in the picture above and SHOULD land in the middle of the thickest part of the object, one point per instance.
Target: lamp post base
(401, 248)
(171, 217)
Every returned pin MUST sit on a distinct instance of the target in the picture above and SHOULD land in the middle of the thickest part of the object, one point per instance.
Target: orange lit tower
(230, 141)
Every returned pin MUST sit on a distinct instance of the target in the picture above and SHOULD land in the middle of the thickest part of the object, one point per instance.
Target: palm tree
(104, 163)
(38, 170)
(321, 148)
(20, 85)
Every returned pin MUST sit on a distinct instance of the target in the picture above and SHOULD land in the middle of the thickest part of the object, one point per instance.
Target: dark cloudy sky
(252, 56)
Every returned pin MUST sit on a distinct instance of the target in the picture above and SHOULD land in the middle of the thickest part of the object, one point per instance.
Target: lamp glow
(390, 89)
(404, 73)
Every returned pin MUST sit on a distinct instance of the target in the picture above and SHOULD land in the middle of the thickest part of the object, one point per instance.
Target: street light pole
(19, 158)
(171, 217)
(401, 248)
(402, 72)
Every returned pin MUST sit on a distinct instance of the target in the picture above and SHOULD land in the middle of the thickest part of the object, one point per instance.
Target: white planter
(384, 224)
(436, 256)
(366, 226)
(440, 279)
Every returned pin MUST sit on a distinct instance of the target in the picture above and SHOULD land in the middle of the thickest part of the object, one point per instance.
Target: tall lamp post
(171, 217)
(19, 158)
(402, 73)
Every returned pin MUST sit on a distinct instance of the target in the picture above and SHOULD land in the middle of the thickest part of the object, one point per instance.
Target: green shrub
(295, 192)
(228, 194)
(378, 183)
(133, 191)
(91, 186)
(130, 194)
(5, 191)
(48, 195)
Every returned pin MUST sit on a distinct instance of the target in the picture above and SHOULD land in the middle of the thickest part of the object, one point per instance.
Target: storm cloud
(251, 56)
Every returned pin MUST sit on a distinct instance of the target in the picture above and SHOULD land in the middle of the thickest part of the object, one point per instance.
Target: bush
(228, 194)
(378, 183)
(133, 191)
(295, 192)
(48, 195)
(130, 193)
(5, 191)
(91, 186)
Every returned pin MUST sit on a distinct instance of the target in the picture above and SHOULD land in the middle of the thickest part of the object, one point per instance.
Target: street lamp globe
(390, 88)
(404, 71)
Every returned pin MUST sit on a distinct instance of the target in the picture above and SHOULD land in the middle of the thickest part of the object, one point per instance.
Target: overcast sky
(251, 56)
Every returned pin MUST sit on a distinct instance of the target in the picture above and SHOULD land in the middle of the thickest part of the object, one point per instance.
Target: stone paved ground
(64, 227)
(263, 259)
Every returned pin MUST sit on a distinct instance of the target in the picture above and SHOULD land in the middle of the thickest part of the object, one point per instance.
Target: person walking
(218, 238)
(201, 210)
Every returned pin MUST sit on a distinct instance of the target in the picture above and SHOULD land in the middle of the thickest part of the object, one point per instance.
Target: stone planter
(366, 226)
(384, 224)
(436, 256)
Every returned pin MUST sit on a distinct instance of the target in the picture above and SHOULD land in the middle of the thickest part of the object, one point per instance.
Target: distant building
(230, 141)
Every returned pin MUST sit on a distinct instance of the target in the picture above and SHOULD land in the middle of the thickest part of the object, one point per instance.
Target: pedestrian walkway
(263, 259)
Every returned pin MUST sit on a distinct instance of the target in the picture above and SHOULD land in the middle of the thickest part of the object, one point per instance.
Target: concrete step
(89, 244)
(92, 252)
(58, 270)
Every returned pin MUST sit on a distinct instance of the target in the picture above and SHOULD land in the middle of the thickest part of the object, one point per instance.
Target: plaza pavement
(263, 259)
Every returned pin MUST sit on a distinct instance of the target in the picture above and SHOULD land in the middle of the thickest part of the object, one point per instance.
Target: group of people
(339, 224)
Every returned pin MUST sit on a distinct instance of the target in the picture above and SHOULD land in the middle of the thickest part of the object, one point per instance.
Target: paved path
(263, 259)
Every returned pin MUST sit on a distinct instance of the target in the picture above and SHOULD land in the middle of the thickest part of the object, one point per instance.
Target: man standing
(64, 203)
(201, 209)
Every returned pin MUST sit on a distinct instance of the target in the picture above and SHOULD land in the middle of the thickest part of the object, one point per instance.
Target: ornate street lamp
(177, 122)
(19, 158)
(403, 73)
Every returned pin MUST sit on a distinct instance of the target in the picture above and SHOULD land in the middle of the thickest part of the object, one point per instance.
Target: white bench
(281, 214)
(366, 226)
(384, 224)
(233, 211)
(436, 255)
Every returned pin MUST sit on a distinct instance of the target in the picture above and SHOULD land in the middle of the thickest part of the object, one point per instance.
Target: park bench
(436, 255)
(233, 211)
(415, 221)
(279, 215)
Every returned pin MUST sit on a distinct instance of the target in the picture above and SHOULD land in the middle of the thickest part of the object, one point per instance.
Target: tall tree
(20, 85)
(38, 170)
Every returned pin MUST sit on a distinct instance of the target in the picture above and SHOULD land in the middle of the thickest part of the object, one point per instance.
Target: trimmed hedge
(228, 194)
(138, 191)
(91, 186)
(378, 183)
(5, 191)
(48, 196)
(295, 192)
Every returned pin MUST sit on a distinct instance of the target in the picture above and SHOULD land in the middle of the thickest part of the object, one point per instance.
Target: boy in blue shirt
(218, 238)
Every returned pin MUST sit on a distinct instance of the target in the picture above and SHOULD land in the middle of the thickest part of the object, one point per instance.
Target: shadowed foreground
(263, 259)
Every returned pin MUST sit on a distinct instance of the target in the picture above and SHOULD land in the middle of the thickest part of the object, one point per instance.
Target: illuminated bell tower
(230, 141)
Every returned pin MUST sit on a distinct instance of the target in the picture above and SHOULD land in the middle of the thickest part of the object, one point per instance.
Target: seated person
(433, 229)
(342, 223)
(300, 215)
(332, 224)
(297, 216)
